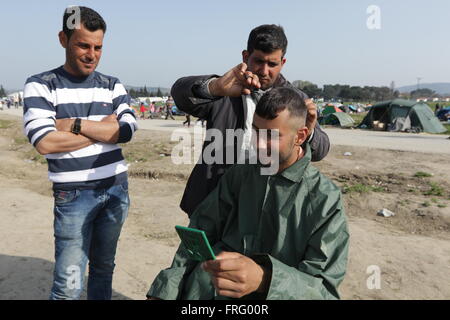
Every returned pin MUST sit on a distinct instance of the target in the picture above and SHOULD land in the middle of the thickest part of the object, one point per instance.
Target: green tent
(402, 115)
(338, 119)
(330, 109)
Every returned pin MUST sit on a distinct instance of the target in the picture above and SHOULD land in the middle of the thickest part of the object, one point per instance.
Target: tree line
(423, 93)
(328, 92)
(144, 92)
(357, 93)
(347, 92)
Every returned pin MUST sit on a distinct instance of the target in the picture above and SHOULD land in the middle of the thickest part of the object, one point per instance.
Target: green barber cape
(292, 223)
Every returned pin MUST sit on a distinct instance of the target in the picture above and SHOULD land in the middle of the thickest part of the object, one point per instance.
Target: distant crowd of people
(166, 111)
(11, 102)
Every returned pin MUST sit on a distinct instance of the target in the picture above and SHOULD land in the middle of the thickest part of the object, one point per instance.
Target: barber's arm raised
(195, 95)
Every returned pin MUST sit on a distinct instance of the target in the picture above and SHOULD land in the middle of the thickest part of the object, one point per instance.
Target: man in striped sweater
(75, 116)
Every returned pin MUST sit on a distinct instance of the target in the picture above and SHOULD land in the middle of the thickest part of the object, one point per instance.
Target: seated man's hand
(235, 275)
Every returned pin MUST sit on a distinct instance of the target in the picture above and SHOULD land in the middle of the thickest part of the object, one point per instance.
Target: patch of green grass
(446, 126)
(358, 117)
(361, 188)
(435, 190)
(376, 189)
(404, 202)
(5, 124)
(36, 157)
(426, 204)
(147, 150)
(421, 174)
(20, 140)
(129, 157)
(441, 205)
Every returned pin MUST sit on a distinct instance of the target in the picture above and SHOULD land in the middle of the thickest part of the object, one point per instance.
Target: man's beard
(283, 157)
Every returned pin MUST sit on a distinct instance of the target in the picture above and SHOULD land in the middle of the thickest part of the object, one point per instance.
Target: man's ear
(283, 61)
(245, 55)
(302, 136)
(63, 39)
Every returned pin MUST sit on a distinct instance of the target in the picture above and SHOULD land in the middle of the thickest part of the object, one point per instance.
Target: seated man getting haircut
(280, 236)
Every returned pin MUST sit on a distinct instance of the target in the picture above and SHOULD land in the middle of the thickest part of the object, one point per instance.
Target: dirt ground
(411, 249)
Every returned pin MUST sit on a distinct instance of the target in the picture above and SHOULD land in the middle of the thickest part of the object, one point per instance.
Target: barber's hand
(235, 275)
(311, 117)
(64, 124)
(235, 82)
(110, 118)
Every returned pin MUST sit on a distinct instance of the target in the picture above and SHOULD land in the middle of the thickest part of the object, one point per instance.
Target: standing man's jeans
(87, 227)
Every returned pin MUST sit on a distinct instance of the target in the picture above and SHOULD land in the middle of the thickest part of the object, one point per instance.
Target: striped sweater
(56, 95)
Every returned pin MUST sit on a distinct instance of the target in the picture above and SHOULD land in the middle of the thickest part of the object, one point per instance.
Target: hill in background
(441, 88)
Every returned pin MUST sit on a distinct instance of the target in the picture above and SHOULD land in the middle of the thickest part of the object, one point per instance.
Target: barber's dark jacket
(222, 113)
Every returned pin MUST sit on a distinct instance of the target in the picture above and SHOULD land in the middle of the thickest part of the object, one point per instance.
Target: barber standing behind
(229, 101)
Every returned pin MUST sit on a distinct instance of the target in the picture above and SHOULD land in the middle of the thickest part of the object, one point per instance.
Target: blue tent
(353, 108)
(444, 114)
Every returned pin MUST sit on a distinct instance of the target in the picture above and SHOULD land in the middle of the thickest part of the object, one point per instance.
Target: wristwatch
(76, 126)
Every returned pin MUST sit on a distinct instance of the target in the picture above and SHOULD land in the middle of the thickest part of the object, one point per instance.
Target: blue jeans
(87, 226)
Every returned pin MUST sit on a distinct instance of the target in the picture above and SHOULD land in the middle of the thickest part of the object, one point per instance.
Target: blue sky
(156, 42)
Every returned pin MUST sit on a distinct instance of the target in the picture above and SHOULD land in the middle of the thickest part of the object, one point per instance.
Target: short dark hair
(278, 99)
(267, 38)
(90, 19)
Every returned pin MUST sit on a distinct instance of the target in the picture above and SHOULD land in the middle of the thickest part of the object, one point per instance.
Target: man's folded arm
(102, 131)
(59, 141)
(121, 128)
(39, 117)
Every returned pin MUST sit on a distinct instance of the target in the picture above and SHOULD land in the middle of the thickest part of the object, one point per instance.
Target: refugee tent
(444, 114)
(345, 108)
(337, 119)
(361, 108)
(330, 109)
(402, 115)
(353, 108)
